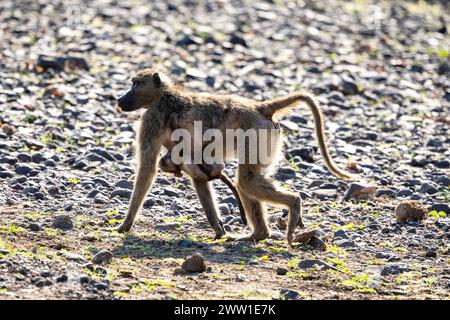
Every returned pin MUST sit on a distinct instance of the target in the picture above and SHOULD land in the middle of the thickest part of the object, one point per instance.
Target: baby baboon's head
(145, 88)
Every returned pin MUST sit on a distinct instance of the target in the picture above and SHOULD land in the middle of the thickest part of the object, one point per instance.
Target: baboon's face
(144, 90)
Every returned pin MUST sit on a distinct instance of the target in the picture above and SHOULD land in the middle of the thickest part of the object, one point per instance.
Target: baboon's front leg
(144, 179)
(207, 200)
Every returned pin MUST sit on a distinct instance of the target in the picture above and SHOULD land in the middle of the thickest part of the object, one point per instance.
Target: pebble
(123, 193)
(281, 271)
(102, 256)
(394, 269)
(289, 294)
(63, 222)
(23, 169)
(194, 263)
(313, 263)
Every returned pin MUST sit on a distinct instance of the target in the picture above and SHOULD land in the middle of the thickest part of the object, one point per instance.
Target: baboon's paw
(123, 228)
(253, 237)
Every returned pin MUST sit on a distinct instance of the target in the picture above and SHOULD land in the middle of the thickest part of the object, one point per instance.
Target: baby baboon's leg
(194, 171)
(260, 187)
(206, 196)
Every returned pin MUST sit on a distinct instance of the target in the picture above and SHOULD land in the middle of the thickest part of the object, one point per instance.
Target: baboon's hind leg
(254, 210)
(207, 200)
(263, 188)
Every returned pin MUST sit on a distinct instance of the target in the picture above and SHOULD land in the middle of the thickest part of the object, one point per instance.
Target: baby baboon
(202, 172)
(154, 91)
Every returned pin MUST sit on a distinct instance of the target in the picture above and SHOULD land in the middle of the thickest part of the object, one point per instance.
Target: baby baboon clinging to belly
(204, 173)
(154, 91)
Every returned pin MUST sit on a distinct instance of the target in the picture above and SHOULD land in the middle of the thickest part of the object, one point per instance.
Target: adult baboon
(154, 91)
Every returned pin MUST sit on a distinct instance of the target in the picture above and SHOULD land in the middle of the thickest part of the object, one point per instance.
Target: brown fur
(157, 93)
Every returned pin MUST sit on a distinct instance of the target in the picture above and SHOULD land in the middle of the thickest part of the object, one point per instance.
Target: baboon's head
(145, 88)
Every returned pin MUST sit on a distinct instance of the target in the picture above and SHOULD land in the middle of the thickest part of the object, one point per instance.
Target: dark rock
(349, 87)
(341, 234)
(6, 174)
(281, 271)
(384, 193)
(444, 68)
(443, 181)
(50, 163)
(125, 184)
(427, 188)
(442, 164)
(62, 278)
(43, 283)
(288, 294)
(312, 263)
(441, 207)
(123, 193)
(63, 222)
(23, 157)
(34, 226)
(23, 169)
(37, 157)
(393, 269)
(431, 254)
(306, 153)
(404, 193)
(171, 192)
(318, 244)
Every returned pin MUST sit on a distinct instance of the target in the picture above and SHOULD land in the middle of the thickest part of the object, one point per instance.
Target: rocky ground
(66, 164)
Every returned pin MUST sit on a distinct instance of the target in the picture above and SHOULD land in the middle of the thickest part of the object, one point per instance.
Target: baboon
(157, 93)
(204, 173)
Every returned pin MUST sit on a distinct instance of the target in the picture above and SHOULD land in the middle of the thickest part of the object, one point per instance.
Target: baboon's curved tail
(276, 107)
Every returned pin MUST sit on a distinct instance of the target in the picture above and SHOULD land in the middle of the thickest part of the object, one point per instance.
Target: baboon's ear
(157, 79)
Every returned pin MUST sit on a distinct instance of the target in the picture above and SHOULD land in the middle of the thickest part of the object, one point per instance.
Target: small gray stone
(102, 256)
(101, 182)
(123, 193)
(171, 192)
(404, 193)
(427, 188)
(341, 234)
(384, 193)
(312, 263)
(224, 209)
(392, 269)
(289, 294)
(74, 257)
(346, 243)
(125, 184)
(49, 163)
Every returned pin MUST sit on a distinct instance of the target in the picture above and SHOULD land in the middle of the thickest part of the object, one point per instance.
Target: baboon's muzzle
(126, 103)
